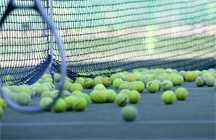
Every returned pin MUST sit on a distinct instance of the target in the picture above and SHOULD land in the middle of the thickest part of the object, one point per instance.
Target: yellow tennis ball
(117, 82)
(166, 85)
(3, 103)
(189, 76)
(79, 104)
(159, 84)
(60, 105)
(199, 81)
(106, 81)
(132, 86)
(129, 113)
(8, 80)
(160, 78)
(86, 97)
(75, 86)
(67, 85)
(57, 77)
(41, 89)
(110, 95)
(145, 80)
(47, 94)
(96, 81)
(209, 81)
(65, 94)
(99, 87)
(125, 91)
(134, 96)
(80, 81)
(181, 79)
(24, 88)
(76, 93)
(33, 91)
(55, 93)
(6, 91)
(131, 78)
(120, 76)
(88, 83)
(140, 86)
(1, 112)
(100, 96)
(22, 99)
(174, 80)
(28, 97)
(181, 93)
(168, 97)
(46, 76)
(48, 80)
(112, 77)
(14, 96)
(124, 85)
(121, 99)
(45, 102)
(52, 86)
(69, 102)
(152, 86)
(92, 95)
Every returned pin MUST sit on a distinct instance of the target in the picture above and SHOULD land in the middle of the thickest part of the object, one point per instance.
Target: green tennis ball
(130, 78)
(168, 97)
(65, 94)
(96, 81)
(215, 85)
(80, 81)
(134, 96)
(33, 91)
(106, 81)
(199, 81)
(41, 89)
(174, 80)
(129, 113)
(125, 91)
(22, 99)
(57, 77)
(166, 85)
(14, 97)
(209, 81)
(99, 87)
(100, 96)
(8, 80)
(28, 96)
(117, 82)
(45, 102)
(140, 86)
(159, 84)
(189, 76)
(121, 99)
(6, 91)
(86, 97)
(47, 94)
(52, 86)
(24, 88)
(69, 102)
(160, 78)
(1, 112)
(112, 77)
(67, 85)
(60, 105)
(48, 80)
(152, 86)
(45, 76)
(55, 93)
(92, 95)
(79, 104)
(181, 93)
(181, 79)
(40, 81)
(3, 103)
(76, 93)
(124, 85)
(110, 95)
(75, 86)
(88, 83)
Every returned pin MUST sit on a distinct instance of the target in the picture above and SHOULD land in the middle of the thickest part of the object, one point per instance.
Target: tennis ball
(121, 99)
(76, 93)
(1, 112)
(41, 89)
(57, 77)
(96, 81)
(14, 96)
(33, 91)
(159, 84)
(124, 85)
(45, 76)
(70, 80)
(152, 86)
(129, 113)
(168, 97)
(47, 94)
(181, 79)
(199, 81)
(125, 91)
(140, 86)
(166, 85)
(92, 95)
(160, 78)
(112, 77)
(79, 104)
(6, 91)
(67, 85)
(52, 86)
(24, 88)
(174, 80)
(75, 86)
(182, 73)
(3, 103)
(210, 81)
(145, 80)
(120, 76)
(40, 81)
(106, 81)
(110, 95)
(134, 96)
(55, 93)
(28, 97)
(88, 83)
(99, 87)
(60, 105)
(215, 85)
(86, 97)
(65, 94)
(8, 80)
(80, 81)
(48, 80)
(132, 86)
(181, 93)
(130, 78)
(22, 99)
(45, 102)
(69, 102)
(100, 96)
(189, 76)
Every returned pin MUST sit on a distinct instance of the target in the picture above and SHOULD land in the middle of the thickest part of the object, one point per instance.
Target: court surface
(193, 118)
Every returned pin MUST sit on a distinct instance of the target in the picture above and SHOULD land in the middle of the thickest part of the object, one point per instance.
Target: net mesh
(110, 35)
